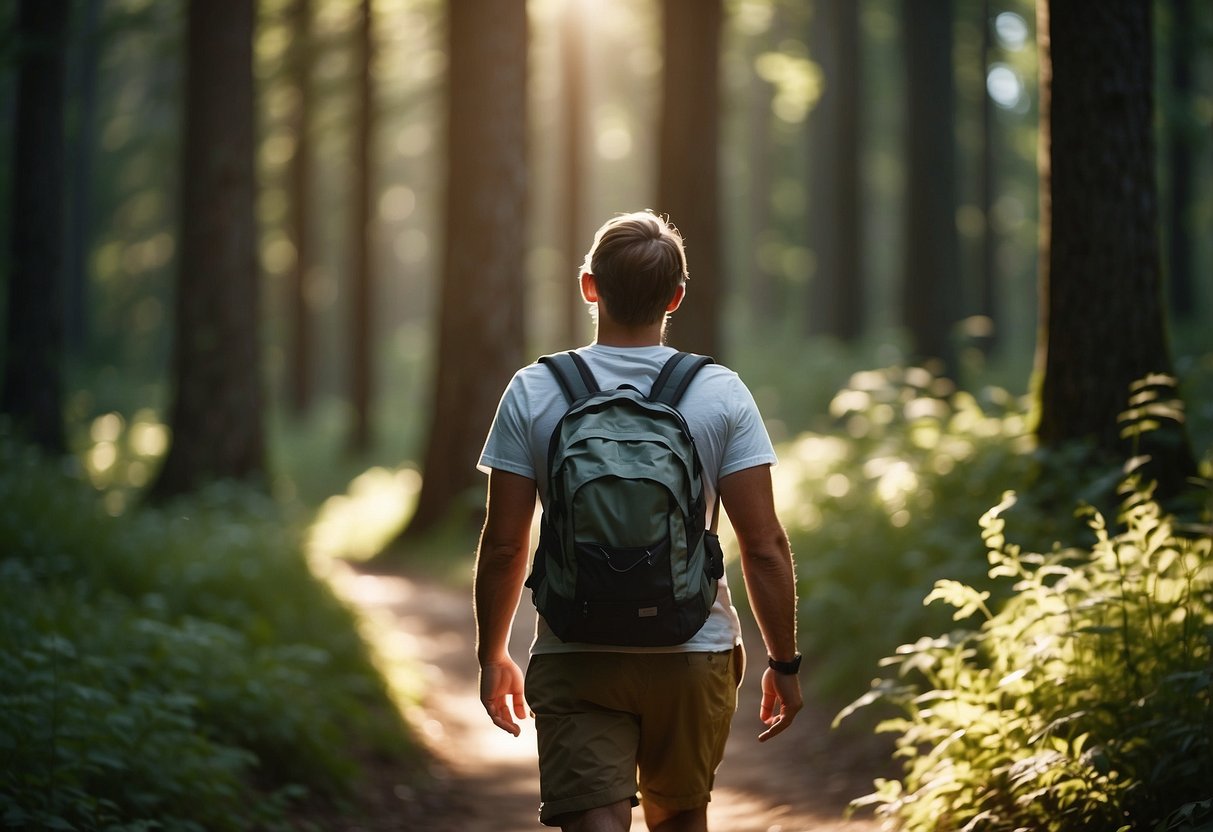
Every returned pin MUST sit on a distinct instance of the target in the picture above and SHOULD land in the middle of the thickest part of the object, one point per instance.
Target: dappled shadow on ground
(484, 780)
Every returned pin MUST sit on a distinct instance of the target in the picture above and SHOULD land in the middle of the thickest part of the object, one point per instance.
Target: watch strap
(787, 668)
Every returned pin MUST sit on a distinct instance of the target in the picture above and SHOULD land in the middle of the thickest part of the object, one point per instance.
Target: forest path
(488, 780)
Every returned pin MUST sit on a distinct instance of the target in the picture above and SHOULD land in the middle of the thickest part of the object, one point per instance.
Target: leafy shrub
(880, 508)
(174, 668)
(1084, 702)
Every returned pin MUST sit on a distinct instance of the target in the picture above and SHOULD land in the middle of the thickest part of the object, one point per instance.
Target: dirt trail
(488, 780)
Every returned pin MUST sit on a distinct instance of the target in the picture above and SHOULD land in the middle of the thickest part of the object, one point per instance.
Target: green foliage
(175, 668)
(880, 507)
(1084, 702)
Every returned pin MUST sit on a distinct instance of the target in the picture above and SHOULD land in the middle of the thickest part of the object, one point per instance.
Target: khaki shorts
(600, 717)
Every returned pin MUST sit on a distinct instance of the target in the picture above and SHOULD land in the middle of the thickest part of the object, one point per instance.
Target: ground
(485, 780)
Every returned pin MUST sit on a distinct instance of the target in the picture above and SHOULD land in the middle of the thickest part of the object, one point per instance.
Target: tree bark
(216, 413)
(481, 332)
(688, 188)
(764, 288)
(1102, 321)
(836, 306)
(572, 54)
(987, 296)
(1179, 230)
(300, 345)
(32, 393)
(361, 273)
(83, 143)
(931, 280)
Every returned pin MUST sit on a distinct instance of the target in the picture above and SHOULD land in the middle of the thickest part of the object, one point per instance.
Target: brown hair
(638, 262)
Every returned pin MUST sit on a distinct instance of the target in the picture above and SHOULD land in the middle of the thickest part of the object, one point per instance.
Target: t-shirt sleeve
(507, 447)
(748, 443)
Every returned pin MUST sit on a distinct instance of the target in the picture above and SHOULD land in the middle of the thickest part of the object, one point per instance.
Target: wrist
(492, 656)
(787, 668)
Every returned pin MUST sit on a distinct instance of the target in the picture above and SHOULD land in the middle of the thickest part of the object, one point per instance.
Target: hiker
(660, 701)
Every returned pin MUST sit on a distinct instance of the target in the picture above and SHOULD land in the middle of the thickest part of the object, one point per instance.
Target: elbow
(780, 540)
(769, 548)
(502, 554)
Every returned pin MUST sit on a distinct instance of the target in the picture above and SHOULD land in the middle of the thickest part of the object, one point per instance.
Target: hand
(499, 680)
(781, 701)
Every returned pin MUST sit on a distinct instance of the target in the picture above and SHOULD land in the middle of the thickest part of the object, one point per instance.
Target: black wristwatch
(787, 668)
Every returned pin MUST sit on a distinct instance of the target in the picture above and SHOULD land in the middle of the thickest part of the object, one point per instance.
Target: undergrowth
(882, 506)
(1085, 701)
(171, 668)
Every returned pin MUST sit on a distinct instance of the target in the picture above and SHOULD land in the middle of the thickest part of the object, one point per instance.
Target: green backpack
(623, 557)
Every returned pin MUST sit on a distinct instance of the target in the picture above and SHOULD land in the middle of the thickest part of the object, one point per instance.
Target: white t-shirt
(722, 417)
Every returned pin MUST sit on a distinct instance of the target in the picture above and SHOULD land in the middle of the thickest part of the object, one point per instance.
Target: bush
(881, 507)
(174, 668)
(1084, 702)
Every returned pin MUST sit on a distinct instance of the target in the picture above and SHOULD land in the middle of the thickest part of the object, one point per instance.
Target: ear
(589, 288)
(676, 301)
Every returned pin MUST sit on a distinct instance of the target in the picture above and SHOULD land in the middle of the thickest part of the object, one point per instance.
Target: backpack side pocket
(714, 565)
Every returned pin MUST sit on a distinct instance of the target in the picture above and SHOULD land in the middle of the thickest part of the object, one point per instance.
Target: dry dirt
(486, 780)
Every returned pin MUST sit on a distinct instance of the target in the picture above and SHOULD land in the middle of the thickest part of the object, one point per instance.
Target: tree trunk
(300, 345)
(1102, 321)
(987, 296)
(931, 279)
(836, 305)
(32, 393)
(572, 53)
(361, 276)
(481, 317)
(83, 143)
(688, 186)
(216, 414)
(764, 292)
(1179, 230)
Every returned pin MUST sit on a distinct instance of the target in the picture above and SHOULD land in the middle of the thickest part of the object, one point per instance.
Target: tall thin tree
(573, 93)
(83, 143)
(987, 294)
(216, 413)
(481, 332)
(1102, 319)
(836, 306)
(763, 289)
(1182, 289)
(930, 292)
(300, 338)
(688, 187)
(362, 280)
(32, 392)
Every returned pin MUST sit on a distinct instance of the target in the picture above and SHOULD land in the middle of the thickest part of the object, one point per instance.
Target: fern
(1083, 703)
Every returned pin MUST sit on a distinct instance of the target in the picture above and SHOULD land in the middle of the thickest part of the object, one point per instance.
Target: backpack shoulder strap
(572, 373)
(676, 376)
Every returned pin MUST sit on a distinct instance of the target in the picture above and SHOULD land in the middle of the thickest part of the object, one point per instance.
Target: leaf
(1097, 630)
(966, 599)
(1012, 677)
(874, 695)
(1153, 380)
(1166, 558)
(976, 822)
(1060, 722)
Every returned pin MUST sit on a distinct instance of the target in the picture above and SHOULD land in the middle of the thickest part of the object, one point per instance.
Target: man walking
(615, 719)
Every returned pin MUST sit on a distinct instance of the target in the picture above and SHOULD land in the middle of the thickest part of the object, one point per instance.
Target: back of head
(638, 263)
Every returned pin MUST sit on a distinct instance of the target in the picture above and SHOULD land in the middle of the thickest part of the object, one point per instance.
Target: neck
(611, 334)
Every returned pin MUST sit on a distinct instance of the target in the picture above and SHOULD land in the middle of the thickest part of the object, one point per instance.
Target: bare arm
(501, 562)
(766, 563)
